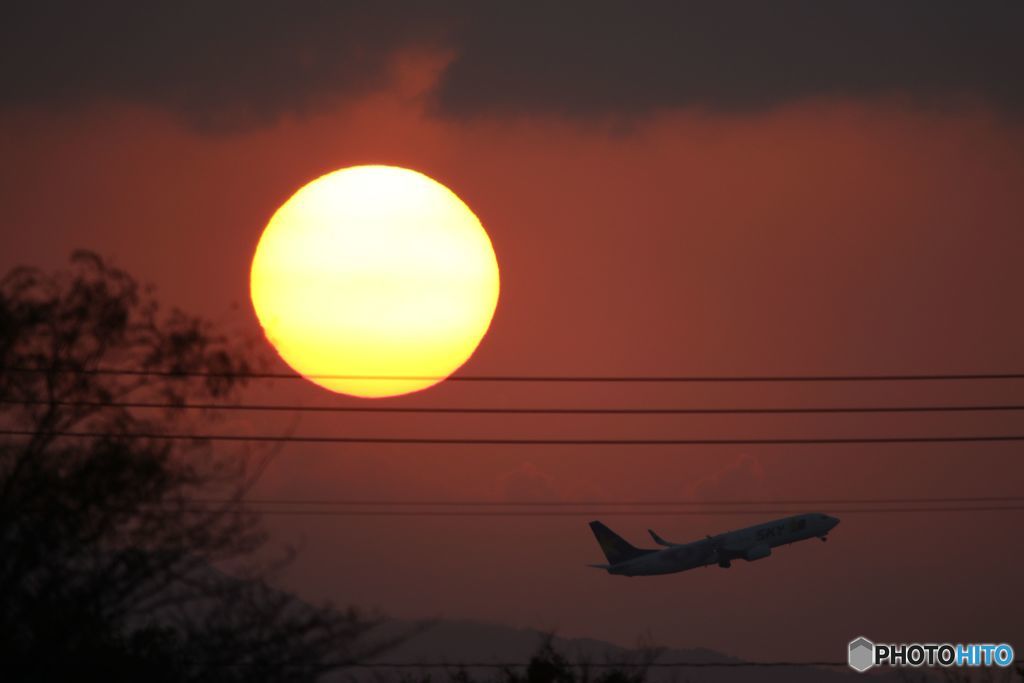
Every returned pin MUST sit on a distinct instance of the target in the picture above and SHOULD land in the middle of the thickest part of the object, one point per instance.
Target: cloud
(738, 55)
(218, 65)
(232, 64)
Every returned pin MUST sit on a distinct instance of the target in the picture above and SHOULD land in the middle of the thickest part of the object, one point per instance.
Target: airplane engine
(757, 552)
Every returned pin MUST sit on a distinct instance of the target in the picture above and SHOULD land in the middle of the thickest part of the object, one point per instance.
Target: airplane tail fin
(615, 548)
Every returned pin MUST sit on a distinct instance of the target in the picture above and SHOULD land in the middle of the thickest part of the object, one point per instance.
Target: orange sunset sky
(812, 189)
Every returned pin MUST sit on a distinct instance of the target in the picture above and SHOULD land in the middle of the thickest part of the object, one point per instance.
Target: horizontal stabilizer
(658, 539)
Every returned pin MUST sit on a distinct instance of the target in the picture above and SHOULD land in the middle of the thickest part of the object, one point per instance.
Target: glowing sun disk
(374, 271)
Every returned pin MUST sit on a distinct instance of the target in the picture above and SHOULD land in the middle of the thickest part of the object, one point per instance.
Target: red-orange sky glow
(826, 234)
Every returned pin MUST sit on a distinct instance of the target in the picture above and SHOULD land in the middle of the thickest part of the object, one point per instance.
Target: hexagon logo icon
(861, 654)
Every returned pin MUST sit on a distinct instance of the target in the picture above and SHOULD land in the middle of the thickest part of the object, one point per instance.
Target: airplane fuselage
(750, 543)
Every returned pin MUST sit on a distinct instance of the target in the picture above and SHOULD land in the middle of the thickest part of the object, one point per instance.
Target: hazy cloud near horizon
(227, 66)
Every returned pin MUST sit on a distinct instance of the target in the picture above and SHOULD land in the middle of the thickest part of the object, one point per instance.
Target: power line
(538, 378)
(621, 503)
(295, 507)
(608, 665)
(599, 665)
(521, 411)
(620, 513)
(522, 442)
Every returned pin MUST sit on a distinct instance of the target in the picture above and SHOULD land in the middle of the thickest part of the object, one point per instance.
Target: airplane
(751, 543)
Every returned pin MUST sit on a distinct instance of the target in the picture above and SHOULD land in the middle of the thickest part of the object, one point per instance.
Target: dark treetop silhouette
(106, 569)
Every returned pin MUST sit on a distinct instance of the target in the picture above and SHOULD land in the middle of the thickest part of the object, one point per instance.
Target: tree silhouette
(548, 665)
(108, 566)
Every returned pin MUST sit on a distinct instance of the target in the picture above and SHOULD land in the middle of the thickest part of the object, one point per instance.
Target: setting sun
(374, 272)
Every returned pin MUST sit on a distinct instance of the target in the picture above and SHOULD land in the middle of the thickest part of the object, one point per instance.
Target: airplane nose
(832, 522)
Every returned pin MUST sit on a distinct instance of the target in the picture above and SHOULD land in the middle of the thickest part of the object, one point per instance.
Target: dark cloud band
(231, 64)
(734, 55)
